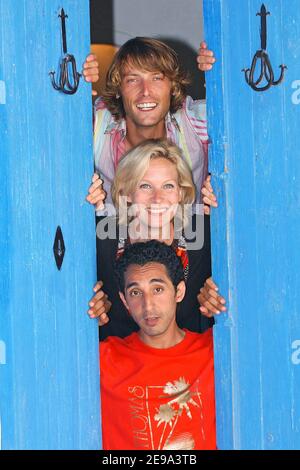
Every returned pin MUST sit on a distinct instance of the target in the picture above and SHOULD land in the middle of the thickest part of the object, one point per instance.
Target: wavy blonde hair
(133, 166)
(150, 55)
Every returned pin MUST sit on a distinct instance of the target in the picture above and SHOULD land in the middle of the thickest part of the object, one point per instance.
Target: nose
(145, 88)
(147, 302)
(157, 196)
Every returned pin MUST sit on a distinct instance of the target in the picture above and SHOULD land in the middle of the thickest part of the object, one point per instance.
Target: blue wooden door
(255, 162)
(49, 377)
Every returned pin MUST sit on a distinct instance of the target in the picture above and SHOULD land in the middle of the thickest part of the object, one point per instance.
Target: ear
(180, 291)
(122, 297)
(173, 88)
(180, 194)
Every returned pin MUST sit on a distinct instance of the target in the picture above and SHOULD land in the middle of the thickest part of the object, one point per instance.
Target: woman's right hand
(96, 194)
(99, 305)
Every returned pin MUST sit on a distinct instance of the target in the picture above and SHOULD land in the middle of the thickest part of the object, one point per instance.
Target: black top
(188, 313)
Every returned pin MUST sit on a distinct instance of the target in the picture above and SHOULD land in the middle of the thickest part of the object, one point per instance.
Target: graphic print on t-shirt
(166, 417)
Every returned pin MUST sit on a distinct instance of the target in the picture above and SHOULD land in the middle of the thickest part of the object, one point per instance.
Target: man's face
(146, 96)
(151, 299)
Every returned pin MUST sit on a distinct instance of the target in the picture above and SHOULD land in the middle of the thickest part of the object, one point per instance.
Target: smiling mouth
(157, 210)
(146, 106)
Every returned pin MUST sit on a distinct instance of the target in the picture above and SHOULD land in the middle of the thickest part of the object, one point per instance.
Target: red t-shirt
(158, 399)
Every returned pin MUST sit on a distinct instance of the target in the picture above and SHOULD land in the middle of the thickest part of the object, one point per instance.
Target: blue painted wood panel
(49, 373)
(255, 163)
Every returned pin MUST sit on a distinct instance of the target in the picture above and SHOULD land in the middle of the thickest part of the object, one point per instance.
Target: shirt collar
(171, 122)
(116, 126)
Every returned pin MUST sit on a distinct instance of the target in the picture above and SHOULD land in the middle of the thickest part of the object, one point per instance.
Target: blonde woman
(151, 191)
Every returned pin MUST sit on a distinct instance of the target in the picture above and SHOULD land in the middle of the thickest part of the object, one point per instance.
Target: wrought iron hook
(67, 65)
(266, 70)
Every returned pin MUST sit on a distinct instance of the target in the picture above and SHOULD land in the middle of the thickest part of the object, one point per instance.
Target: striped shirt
(186, 128)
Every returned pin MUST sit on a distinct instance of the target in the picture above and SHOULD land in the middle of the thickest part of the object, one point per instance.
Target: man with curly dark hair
(157, 385)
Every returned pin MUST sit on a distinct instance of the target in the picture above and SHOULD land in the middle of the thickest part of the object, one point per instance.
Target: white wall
(179, 19)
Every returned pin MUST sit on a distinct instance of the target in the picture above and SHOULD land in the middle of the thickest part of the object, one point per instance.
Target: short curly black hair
(153, 251)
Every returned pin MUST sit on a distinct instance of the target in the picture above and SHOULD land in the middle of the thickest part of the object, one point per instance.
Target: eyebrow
(153, 281)
(130, 74)
(136, 74)
(143, 180)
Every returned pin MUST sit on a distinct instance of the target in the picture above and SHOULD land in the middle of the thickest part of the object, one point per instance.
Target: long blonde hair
(133, 166)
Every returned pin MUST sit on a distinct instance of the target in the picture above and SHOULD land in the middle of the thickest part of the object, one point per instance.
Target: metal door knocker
(68, 81)
(266, 71)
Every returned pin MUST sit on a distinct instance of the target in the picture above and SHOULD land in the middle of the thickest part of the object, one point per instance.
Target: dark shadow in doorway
(102, 21)
(187, 57)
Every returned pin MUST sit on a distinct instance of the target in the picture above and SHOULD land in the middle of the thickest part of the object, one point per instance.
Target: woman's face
(156, 198)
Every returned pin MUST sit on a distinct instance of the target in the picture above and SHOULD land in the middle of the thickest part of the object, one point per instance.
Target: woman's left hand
(211, 303)
(208, 197)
